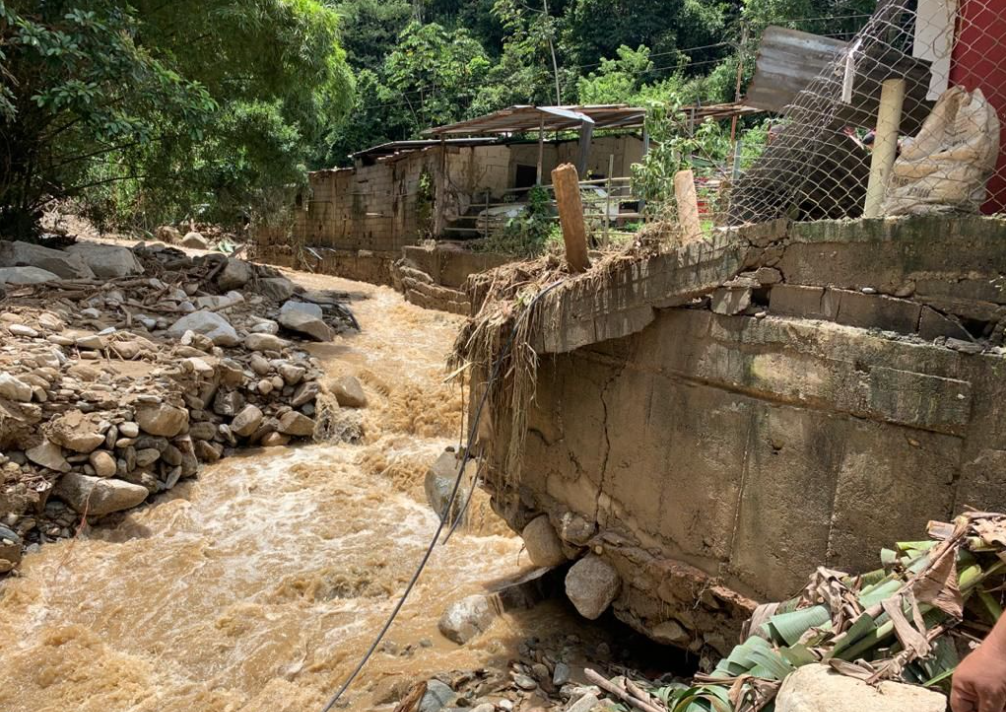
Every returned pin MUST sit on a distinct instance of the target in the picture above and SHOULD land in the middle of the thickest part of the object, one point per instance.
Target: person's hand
(980, 681)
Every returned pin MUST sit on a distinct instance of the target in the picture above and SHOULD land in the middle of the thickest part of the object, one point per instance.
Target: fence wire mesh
(947, 59)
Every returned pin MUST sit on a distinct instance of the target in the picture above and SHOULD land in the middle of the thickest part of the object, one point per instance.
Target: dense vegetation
(156, 110)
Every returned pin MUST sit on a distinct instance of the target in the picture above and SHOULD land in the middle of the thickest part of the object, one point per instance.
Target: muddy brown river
(258, 586)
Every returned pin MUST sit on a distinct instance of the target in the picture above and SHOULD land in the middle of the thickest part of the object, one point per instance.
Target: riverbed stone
(296, 424)
(162, 419)
(591, 585)
(817, 688)
(235, 274)
(438, 695)
(15, 389)
(76, 431)
(107, 261)
(196, 241)
(348, 392)
(279, 289)
(543, 545)
(265, 342)
(49, 455)
(305, 319)
(63, 264)
(98, 496)
(103, 463)
(206, 323)
(247, 421)
(467, 618)
(26, 275)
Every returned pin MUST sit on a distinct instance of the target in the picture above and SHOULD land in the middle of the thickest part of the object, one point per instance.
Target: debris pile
(117, 387)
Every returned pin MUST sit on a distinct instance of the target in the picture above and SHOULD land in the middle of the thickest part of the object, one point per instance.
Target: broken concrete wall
(717, 459)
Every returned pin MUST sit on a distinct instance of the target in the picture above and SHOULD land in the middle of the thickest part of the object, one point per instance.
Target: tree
(150, 105)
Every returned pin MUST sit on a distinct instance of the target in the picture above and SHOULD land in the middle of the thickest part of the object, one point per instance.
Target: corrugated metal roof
(527, 118)
(788, 60)
(393, 147)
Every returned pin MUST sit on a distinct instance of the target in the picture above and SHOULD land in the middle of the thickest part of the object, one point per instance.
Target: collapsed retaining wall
(717, 422)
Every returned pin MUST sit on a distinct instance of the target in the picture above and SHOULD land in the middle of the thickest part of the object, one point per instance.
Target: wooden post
(885, 145)
(607, 196)
(541, 148)
(688, 205)
(566, 184)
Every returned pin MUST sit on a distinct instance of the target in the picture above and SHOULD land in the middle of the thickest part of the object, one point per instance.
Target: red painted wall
(979, 61)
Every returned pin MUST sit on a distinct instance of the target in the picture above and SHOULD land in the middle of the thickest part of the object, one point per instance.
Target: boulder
(235, 274)
(305, 393)
(438, 695)
(76, 431)
(304, 321)
(14, 389)
(591, 585)
(817, 688)
(247, 421)
(107, 261)
(195, 241)
(208, 324)
(168, 234)
(296, 424)
(26, 275)
(162, 419)
(48, 455)
(585, 703)
(279, 289)
(103, 463)
(542, 543)
(10, 549)
(348, 392)
(301, 307)
(439, 482)
(265, 342)
(98, 496)
(467, 618)
(64, 264)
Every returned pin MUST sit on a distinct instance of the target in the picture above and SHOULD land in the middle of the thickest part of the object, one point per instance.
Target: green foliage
(141, 107)
(531, 233)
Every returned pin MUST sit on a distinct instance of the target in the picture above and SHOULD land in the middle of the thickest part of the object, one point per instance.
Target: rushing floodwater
(258, 586)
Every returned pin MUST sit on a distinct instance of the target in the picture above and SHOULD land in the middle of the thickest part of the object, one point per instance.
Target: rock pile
(116, 387)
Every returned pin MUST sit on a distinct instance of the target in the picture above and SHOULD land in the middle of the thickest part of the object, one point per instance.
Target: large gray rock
(195, 241)
(439, 482)
(265, 342)
(437, 697)
(235, 274)
(817, 688)
(210, 324)
(542, 543)
(304, 321)
(107, 261)
(247, 421)
(296, 424)
(13, 388)
(76, 431)
(98, 496)
(162, 419)
(591, 585)
(467, 618)
(26, 275)
(64, 264)
(348, 392)
(279, 289)
(48, 455)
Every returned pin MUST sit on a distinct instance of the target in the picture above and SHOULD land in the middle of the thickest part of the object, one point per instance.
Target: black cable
(473, 427)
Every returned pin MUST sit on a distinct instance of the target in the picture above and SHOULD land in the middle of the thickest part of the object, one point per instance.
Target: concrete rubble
(128, 369)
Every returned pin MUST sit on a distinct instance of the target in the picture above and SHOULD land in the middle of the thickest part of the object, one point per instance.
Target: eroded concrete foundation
(718, 422)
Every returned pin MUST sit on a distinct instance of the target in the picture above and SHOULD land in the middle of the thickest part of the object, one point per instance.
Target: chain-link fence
(906, 118)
